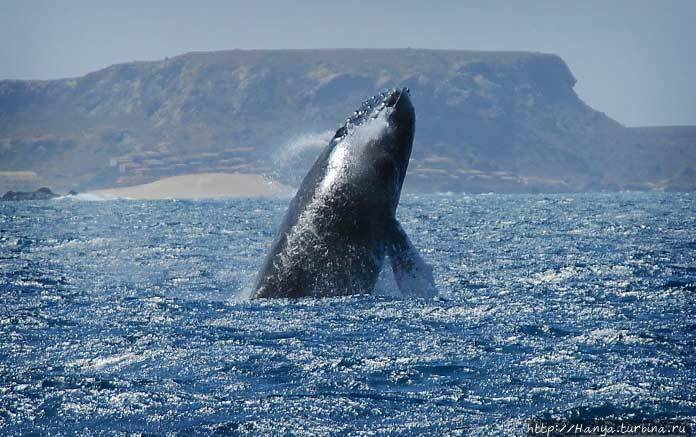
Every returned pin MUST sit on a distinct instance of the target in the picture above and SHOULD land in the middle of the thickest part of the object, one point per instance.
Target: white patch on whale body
(350, 147)
(338, 162)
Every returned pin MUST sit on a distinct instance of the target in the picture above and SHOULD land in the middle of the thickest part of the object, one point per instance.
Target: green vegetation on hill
(486, 121)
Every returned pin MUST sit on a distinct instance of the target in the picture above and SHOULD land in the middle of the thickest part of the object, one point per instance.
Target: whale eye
(341, 132)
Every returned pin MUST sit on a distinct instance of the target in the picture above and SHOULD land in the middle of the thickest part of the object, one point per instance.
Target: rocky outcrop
(486, 121)
(40, 194)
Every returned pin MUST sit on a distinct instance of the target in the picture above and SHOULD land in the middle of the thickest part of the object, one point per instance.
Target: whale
(341, 224)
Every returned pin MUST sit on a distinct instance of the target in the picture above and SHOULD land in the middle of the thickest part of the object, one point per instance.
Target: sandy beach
(201, 186)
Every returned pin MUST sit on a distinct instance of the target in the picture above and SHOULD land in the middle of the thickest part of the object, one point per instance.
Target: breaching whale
(342, 221)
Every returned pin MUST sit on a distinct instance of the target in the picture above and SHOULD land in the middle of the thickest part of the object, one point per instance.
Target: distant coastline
(508, 122)
(199, 186)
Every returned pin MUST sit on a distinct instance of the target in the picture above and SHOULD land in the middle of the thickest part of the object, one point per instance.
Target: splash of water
(299, 145)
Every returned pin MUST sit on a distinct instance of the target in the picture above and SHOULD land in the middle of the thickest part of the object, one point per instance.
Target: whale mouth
(392, 99)
(395, 96)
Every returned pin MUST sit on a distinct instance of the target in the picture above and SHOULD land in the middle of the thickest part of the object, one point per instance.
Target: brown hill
(486, 121)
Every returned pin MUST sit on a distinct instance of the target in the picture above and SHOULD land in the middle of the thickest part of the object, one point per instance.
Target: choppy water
(129, 316)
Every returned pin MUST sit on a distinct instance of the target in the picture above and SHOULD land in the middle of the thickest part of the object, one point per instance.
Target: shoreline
(199, 186)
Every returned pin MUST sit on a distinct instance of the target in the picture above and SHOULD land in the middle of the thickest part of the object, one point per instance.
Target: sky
(633, 60)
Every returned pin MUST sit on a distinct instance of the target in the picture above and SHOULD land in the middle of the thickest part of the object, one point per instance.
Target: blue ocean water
(131, 316)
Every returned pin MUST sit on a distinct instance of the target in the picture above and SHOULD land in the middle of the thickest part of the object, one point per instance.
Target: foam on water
(87, 197)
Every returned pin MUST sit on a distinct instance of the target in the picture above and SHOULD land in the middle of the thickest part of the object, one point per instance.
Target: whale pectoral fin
(413, 275)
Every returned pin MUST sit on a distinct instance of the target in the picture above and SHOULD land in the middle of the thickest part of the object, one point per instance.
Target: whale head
(369, 154)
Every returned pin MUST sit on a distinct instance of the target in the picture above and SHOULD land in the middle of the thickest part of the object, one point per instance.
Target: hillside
(674, 154)
(486, 121)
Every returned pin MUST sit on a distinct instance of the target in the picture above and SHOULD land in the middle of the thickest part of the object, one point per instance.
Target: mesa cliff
(486, 121)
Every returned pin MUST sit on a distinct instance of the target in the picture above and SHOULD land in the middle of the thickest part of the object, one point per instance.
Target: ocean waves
(131, 316)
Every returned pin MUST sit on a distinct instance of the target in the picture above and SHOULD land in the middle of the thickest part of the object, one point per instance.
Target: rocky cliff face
(486, 121)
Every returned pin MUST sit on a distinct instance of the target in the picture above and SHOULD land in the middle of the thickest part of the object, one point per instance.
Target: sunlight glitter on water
(129, 316)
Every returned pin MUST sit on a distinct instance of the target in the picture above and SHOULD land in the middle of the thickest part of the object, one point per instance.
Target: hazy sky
(633, 60)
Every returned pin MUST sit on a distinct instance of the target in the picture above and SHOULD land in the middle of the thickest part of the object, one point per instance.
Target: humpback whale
(342, 223)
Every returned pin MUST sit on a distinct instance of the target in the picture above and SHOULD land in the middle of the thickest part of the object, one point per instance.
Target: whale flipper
(413, 275)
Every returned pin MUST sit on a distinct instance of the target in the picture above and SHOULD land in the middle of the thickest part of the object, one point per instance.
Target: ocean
(122, 317)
